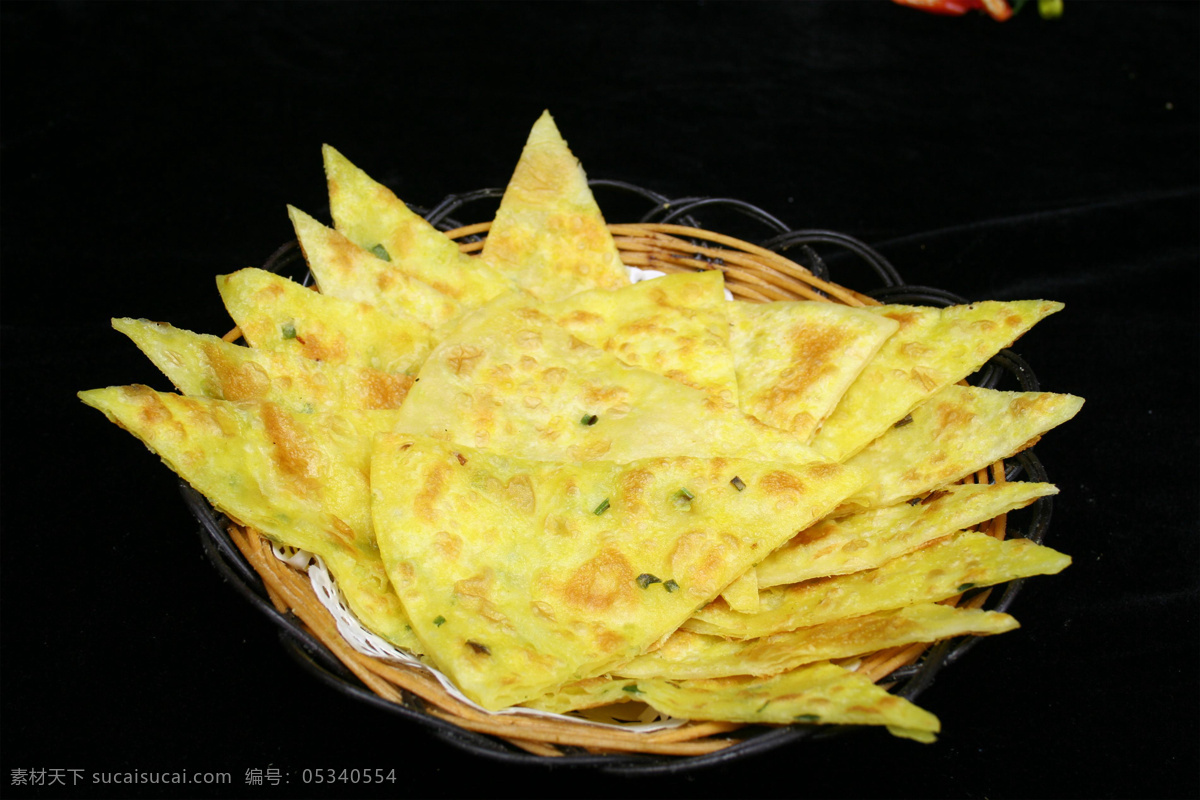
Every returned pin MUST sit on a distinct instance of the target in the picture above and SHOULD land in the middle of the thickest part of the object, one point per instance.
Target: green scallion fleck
(645, 579)
(631, 688)
(684, 494)
(964, 586)
(807, 718)
(439, 620)
(289, 330)
(671, 585)
(738, 483)
(589, 419)
(600, 509)
(379, 251)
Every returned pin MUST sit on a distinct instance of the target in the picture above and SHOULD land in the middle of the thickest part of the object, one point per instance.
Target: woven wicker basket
(753, 273)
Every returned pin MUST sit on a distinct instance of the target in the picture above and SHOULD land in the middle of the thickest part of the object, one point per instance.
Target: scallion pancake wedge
(821, 693)
(370, 215)
(510, 379)
(742, 595)
(675, 325)
(549, 234)
(947, 567)
(868, 539)
(520, 575)
(274, 313)
(687, 655)
(958, 431)
(795, 359)
(343, 269)
(933, 348)
(818, 694)
(208, 366)
(299, 479)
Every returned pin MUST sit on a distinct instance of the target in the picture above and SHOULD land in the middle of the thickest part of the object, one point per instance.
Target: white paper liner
(637, 275)
(375, 646)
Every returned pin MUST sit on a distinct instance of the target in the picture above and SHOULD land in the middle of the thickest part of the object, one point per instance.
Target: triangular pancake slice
(549, 234)
(511, 380)
(674, 325)
(795, 359)
(687, 655)
(820, 694)
(274, 313)
(933, 348)
(370, 215)
(520, 575)
(958, 431)
(841, 545)
(940, 570)
(299, 479)
(208, 366)
(343, 269)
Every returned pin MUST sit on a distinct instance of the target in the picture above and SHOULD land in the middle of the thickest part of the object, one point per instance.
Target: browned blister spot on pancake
(905, 318)
(385, 389)
(785, 487)
(951, 417)
(296, 456)
(237, 381)
(519, 493)
(425, 503)
(601, 583)
(330, 348)
(343, 532)
(462, 358)
(448, 545)
(811, 349)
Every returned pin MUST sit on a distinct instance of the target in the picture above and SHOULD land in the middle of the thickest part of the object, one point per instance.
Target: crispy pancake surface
(933, 348)
(208, 366)
(521, 575)
(274, 313)
(795, 359)
(300, 479)
(510, 380)
(549, 234)
(941, 570)
(675, 325)
(368, 214)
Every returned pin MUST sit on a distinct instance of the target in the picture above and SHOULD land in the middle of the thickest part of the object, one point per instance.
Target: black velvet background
(148, 148)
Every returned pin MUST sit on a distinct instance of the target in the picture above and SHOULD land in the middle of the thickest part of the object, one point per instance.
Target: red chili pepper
(998, 10)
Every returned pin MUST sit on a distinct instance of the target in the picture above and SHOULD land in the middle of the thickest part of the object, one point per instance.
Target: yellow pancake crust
(933, 348)
(958, 431)
(687, 655)
(343, 269)
(371, 216)
(795, 359)
(549, 234)
(940, 570)
(675, 326)
(520, 575)
(299, 479)
(511, 380)
(207, 366)
(274, 313)
(868, 539)
(818, 694)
